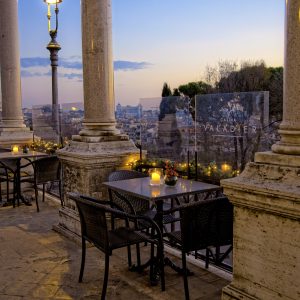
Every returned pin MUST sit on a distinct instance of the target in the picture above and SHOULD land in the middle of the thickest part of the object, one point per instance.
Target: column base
(69, 224)
(10, 136)
(289, 149)
(95, 129)
(266, 199)
(100, 138)
(85, 166)
(290, 141)
(14, 124)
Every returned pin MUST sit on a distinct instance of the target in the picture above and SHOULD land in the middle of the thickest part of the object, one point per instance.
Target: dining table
(157, 195)
(17, 157)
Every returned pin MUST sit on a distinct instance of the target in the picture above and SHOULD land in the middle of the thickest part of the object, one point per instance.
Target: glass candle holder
(15, 149)
(155, 176)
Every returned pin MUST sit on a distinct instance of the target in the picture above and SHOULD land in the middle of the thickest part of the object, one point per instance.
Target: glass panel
(45, 122)
(166, 129)
(57, 124)
(128, 121)
(71, 119)
(229, 130)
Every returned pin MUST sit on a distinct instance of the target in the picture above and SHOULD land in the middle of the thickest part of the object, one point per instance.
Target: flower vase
(25, 150)
(170, 180)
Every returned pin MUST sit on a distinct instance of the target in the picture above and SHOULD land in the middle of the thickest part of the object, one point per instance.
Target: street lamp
(53, 48)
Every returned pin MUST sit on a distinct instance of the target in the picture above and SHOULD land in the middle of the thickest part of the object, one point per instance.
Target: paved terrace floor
(38, 263)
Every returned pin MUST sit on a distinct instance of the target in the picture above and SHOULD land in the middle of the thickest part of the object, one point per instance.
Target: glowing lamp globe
(53, 1)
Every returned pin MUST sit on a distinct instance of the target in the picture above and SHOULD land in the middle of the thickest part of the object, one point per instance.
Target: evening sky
(153, 41)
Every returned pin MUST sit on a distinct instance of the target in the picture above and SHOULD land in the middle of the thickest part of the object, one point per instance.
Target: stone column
(99, 148)
(266, 198)
(12, 127)
(99, 104)
(290, 126)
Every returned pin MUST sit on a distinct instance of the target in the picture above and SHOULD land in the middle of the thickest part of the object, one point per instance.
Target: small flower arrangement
(170, 169)
(25, 148)
(170, 174)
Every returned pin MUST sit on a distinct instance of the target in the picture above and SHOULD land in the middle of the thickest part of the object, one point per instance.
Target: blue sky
(153, 40)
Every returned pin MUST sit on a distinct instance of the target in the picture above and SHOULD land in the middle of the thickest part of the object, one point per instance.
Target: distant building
(128, 111)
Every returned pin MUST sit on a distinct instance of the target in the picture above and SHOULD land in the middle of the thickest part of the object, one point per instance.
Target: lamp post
(53, 48)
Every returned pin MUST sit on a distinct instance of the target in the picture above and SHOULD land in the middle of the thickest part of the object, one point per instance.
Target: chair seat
(122, 237)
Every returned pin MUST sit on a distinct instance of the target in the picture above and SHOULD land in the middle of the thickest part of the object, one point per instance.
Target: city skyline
(170, 41)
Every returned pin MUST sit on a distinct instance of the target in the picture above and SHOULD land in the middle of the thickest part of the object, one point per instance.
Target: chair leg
(7, 190)
(36, 198)
(43, 192)
(13, 196)
(162, 267)
(185, 280)
(129, 256)
(207, 258)
(105, 280)
(217, 255)
(83, 251)
(14, 192)
(0, 191)
(112, 222)
(17, 189)
(138, 255)
(152, 262)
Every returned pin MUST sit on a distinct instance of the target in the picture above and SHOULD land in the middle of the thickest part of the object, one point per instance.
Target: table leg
(18, 184)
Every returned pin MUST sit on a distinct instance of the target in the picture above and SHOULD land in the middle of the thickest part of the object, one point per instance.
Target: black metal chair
(94, 228)
(203, 224)
(46, 170)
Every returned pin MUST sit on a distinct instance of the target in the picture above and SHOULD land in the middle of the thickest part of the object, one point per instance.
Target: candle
(155, 177)
(15, 149)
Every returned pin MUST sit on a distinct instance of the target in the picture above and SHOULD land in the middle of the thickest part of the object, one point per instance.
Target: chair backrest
(8, 164)
(93, 221)
(128, 203)
(47, 169)
(206, 223)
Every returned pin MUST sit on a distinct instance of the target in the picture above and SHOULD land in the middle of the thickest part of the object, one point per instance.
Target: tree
(275, 87)
(194, 88)
(176, 92)
(250, 77)
(166, 90)
(256, 77)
